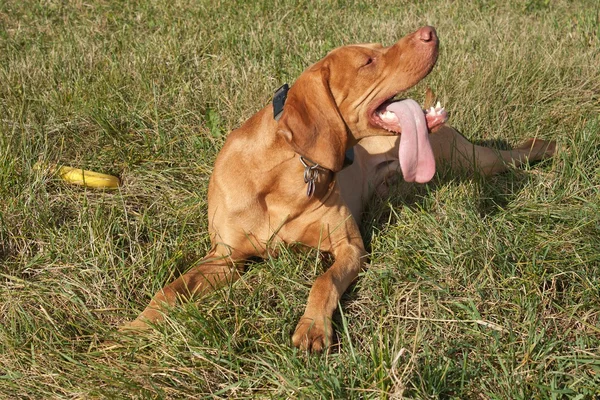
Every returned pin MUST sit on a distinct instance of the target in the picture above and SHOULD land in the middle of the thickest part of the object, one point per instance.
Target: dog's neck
(262, 145)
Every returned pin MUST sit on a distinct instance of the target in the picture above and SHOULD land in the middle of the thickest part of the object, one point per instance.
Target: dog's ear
(311, 122)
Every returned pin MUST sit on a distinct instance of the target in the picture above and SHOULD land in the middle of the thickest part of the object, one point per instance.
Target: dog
(281, 178)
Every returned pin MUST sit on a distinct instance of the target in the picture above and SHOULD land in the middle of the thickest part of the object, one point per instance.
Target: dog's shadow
(493, 193)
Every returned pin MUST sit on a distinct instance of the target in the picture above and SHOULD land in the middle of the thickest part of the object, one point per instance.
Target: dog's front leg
(314, 330)
(212, 273)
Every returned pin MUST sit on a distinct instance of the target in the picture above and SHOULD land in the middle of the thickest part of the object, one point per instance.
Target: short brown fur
(257, 197)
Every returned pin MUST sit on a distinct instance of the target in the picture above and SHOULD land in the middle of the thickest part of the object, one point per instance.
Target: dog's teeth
(432, 111)
(387, 116)
(438, 105)
(442, 110)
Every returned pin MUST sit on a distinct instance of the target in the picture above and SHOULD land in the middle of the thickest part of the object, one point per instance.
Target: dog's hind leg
(453, 150)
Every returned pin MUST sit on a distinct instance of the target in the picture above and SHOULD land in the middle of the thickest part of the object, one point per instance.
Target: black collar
(279, 100)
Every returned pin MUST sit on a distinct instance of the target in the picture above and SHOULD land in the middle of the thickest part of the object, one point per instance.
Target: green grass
(475, 289)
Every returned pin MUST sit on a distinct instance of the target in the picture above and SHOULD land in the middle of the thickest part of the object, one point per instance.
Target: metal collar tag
(311, 174)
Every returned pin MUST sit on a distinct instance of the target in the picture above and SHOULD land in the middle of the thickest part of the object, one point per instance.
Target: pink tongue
(416, 157)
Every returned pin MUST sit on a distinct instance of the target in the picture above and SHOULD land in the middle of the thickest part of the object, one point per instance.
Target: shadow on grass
(494, 193)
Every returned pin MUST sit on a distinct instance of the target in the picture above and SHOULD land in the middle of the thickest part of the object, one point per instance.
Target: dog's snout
(427, 34)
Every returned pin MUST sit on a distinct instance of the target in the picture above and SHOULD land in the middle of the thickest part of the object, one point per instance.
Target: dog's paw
(313, 334)
(136, 326)
(539, 149)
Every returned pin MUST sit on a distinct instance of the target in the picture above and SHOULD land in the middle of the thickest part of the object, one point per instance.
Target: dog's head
(342, 98)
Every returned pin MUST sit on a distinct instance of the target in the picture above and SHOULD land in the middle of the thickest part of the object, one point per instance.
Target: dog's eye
(368, 61)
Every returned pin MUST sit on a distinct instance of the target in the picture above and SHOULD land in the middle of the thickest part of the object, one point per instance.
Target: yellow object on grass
(82, 177)
(87, 178)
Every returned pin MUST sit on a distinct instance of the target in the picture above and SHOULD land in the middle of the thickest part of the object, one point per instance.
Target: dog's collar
(311, 174)
(311, 169)
(279, 100)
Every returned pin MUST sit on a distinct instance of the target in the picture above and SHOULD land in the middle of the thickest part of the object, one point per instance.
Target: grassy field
(476, 288)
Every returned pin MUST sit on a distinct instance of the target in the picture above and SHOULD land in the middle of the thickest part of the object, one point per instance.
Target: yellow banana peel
(88, 178)
(85, 178)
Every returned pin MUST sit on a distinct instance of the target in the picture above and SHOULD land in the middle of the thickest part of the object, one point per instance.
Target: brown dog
(282, 180)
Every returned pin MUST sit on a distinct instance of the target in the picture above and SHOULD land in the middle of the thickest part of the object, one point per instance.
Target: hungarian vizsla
(280, 177)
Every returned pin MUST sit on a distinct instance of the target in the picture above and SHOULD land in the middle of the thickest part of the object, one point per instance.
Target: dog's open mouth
(405, 117)
(385, 116)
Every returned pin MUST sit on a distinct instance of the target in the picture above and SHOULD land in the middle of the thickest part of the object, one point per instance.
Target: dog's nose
(427, 34)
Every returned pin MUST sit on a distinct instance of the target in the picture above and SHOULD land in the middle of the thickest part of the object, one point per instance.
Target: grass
(476, 288)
